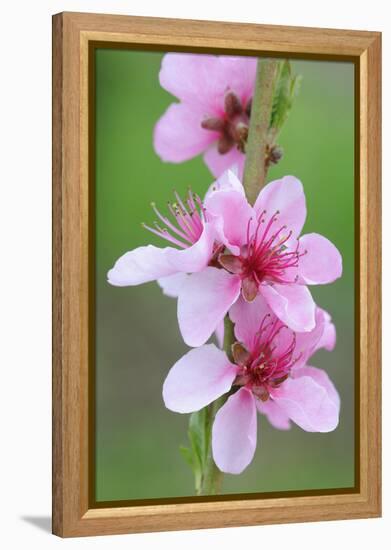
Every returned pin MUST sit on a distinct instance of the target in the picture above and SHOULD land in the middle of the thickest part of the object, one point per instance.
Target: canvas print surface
(224, 275)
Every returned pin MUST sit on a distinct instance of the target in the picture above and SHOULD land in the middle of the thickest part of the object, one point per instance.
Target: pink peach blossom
(212, 115)
(230, 248)
(193, 235)
(263, 256)
(197, 238)
(268, 374)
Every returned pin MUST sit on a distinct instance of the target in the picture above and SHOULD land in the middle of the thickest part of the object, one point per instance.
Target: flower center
(266, 258)
(186, 224)
(269, 363)
(232, 126)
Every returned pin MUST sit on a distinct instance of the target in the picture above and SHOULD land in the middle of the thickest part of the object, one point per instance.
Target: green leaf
(286, 89)
(187, 455)
(191, 459)
(199, 426)
(199, 437)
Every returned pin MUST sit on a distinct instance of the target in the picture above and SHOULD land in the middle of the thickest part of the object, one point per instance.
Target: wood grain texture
(72, 34)
(57, 402)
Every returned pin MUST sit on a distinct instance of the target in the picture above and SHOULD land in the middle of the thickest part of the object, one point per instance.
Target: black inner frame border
(164, 48)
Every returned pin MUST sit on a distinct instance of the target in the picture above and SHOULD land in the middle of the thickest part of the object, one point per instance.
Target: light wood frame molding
(72, 34)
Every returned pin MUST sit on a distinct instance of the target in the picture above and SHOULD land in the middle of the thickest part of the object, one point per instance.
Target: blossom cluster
(226, 258)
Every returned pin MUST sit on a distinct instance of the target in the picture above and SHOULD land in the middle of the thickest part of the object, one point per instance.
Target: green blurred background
(137, 338)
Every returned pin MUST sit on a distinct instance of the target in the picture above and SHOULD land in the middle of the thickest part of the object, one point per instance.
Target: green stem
(255, 168)
(254, 178)
(212, 477)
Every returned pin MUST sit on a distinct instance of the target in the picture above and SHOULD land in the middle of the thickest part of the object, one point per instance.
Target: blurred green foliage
(137, 338)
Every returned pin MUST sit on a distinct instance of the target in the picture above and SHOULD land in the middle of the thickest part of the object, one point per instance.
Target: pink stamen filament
(266, 366)
(167, 222)
(264, 258)
(165, 235)
(189, 221)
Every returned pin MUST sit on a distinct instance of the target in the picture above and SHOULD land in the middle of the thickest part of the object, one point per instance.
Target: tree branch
(255, 167)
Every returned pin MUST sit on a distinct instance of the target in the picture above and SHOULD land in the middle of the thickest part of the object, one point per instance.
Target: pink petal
(293, 304)
(228, 181)
(218, 223)
(234, 433)
(195, 79)
(218, 163)
(197, 379)
(308, 342)
(276, 416)
(171, 285)
(322, 262)
(242, 72)
(141, 265)
(322, 378)
(286, 196)
(308, 403)
(248, 317)
(235, 212)
(196, 257)
(178, 135)
(329, 335)
(203, 302)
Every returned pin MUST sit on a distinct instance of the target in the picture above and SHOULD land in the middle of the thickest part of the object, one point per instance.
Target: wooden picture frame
(74, 36)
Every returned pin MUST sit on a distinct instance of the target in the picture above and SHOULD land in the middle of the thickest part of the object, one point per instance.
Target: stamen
(268, 365)
(267, 256)
(165, 235)
(167, 222)
(189, 223)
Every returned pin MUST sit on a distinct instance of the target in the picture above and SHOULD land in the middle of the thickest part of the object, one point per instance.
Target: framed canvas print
(216, 294)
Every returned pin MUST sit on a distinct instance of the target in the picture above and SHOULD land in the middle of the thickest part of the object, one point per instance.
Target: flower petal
(197, 379)
(178, 135)
(141, 265)
(234, 433)
(276, 416)
(218, 223)
(322, 262)
(196, 257)
(308, 342)
(203, 302)
(293, 304)
(308, 402)
(228, 181)
(322, 378)
(235, 212)
(194, 78)
(248, 317)
(242, 72)
(329, 335)
(287, 197)
(205, 79)
(171, 285)
(218, 163)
